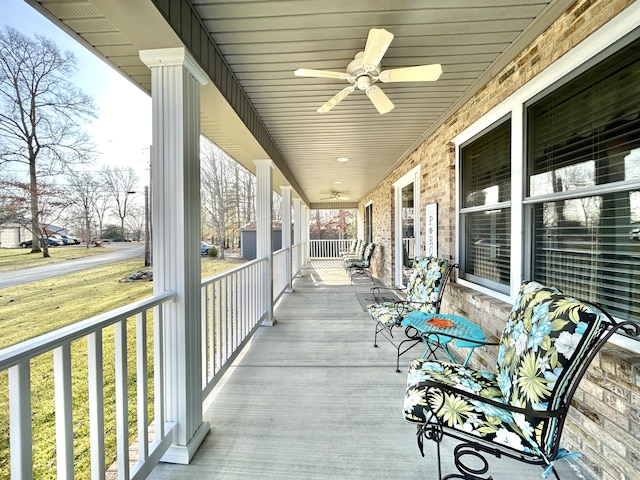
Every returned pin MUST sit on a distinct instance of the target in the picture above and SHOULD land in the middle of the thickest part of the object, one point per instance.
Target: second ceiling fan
(364, 70)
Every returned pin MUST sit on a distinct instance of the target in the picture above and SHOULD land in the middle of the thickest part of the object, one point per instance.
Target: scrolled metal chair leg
(462, 454)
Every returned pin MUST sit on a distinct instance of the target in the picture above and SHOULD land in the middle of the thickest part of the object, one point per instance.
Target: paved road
(117, 253)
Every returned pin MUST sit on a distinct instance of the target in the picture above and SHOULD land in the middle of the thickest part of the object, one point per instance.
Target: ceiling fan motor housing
(359, 76)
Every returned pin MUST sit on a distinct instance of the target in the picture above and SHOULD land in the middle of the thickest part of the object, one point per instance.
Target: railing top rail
(33, 347)
(232, 271)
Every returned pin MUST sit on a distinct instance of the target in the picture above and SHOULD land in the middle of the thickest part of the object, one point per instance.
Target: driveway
(117, 253)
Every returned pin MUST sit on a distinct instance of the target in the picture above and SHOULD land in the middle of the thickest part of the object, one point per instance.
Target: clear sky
(122, 130)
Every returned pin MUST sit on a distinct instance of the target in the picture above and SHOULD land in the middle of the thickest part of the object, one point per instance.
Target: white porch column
(175, 86)
(297, 232)
(297, 222)
(305, 233)
(264, 239)
(286, 232)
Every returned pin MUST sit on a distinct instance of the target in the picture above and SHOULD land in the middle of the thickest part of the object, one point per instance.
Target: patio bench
(423, 293)
(519, 409)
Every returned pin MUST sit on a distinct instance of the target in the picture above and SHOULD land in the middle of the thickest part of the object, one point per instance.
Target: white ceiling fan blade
(422, 73)
(335, 196)
(333, 101)
(379, 99)
(307, 72)
(377, 43)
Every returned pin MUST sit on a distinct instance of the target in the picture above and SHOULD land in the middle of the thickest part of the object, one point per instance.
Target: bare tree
(119, 183)
(86, 190)
(214, 190)
(136, 222)
(12, 205)
(101, 206)
(41, 114)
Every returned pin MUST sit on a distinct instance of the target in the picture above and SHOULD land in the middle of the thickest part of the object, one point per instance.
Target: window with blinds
(485, 212)
(583, 164)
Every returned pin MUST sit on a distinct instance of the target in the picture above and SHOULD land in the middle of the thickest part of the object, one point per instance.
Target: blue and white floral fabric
(361, 262)
(543, 343)
(422, 293)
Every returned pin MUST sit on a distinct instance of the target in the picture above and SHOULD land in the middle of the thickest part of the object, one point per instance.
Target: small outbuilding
(248, 239)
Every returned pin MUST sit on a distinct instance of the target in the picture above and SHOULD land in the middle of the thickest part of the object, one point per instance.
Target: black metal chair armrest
(430, 384)
(376, 292)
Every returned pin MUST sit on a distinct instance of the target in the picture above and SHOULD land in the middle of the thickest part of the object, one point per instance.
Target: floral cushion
(543, 343)
(422, 293)
(358, 251)
(361, 262)
(457, 411)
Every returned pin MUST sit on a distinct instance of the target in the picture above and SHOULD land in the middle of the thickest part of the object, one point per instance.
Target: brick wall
(605, 422)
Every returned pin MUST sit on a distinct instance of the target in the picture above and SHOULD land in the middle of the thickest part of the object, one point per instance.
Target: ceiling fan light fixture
(363, 82)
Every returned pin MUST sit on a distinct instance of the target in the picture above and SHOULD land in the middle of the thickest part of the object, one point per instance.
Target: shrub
(213, 252)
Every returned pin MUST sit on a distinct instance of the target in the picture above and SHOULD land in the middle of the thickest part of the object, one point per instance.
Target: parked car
(61, 238)
(204, 248)
(68, 240)
(51, 241)
(54, 242)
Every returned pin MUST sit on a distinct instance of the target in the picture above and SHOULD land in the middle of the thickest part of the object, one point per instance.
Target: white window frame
(412, 176)
(609, 34)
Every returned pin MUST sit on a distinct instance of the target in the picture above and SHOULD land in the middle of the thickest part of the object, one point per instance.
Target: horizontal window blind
(590, 248)
(486, 192)
(488, 245)
(582, 135)
(579, 135)
(486, 168)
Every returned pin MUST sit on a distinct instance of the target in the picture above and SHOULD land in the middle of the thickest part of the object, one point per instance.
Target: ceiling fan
(364, 70)
(335, 196)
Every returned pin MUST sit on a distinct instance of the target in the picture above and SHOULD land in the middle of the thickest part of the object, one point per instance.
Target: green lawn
(32, 309)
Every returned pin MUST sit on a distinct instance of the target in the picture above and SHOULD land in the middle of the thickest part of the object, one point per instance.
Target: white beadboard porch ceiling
(264, 41)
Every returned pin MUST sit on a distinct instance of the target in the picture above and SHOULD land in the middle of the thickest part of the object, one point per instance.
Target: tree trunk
(37, 244)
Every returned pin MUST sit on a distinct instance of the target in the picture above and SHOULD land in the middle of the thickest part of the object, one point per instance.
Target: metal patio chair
(361, 266)
(519, 409)
(424, 290)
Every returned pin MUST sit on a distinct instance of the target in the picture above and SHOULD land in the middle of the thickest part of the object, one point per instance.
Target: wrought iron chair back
(423, 292)
(520, 409)
(361, 266)
(352, 248)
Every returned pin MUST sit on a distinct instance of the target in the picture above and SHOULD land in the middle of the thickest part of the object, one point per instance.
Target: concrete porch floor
(311, 398)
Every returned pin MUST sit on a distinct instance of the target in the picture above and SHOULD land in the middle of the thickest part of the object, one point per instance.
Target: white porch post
(297, 231)
(175, 86)
(305, 232)
(264, 241)
(286, 232)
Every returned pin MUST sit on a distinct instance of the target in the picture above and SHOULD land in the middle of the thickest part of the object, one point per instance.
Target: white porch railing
(280, 280)
(232, 309)
(18, 360)
(328, 248)
(296, 259)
